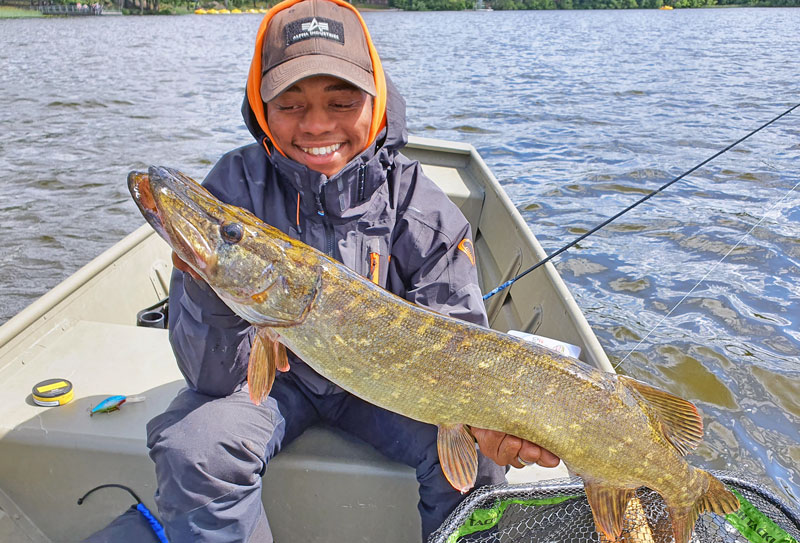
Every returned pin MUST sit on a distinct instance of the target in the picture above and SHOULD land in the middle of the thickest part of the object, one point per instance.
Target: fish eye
(231, 232)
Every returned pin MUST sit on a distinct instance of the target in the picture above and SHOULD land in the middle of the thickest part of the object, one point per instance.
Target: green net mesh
(557, 512)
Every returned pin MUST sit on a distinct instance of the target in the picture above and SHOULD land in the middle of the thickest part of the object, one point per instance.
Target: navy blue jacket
(380, 216)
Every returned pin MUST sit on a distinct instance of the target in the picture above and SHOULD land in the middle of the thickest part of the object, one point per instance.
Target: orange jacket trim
(375, 268)
(465, 246)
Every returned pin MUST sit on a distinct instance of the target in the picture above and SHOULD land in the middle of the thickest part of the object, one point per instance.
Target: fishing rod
(633, 205)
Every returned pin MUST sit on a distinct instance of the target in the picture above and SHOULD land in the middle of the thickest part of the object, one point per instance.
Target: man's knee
(204, 447)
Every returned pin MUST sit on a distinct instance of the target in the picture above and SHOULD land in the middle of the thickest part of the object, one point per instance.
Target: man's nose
(316, 120)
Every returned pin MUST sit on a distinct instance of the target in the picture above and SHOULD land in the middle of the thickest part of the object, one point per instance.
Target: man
(326, 169)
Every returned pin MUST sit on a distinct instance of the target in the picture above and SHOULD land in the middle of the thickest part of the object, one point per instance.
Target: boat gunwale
(591, 343)
(25, 321)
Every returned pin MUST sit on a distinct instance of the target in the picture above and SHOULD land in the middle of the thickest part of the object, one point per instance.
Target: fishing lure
(113, 403)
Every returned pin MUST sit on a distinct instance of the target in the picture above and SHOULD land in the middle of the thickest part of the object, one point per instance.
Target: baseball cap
(315, 37)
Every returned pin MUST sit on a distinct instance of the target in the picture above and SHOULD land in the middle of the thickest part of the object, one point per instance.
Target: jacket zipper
(329, 234)
(362, 175)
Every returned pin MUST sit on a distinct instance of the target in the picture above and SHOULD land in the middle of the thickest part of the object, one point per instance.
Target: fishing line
(630, 207)
(709, 272)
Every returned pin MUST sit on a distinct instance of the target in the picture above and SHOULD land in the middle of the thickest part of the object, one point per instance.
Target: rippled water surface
(577, 113)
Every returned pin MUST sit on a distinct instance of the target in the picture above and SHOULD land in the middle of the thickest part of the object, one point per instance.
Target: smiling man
(325, 168)
(321, 122)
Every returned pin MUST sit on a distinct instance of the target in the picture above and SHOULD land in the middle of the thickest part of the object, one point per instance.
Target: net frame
(556, 511)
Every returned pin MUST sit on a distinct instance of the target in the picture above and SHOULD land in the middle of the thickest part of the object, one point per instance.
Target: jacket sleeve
(433, 255)
(204, 333)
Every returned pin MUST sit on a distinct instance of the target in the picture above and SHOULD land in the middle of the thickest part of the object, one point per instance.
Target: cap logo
(315, 27)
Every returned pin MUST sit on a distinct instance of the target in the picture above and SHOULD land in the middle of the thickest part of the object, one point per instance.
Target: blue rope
(154, 524)
(151, 519)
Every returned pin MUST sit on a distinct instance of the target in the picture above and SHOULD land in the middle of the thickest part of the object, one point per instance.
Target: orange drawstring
(375, 267)
(297, 216)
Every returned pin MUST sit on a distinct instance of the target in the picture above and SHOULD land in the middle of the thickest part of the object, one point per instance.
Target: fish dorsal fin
(458, 456)
(608, 507)
(266, 355)
(680, 421)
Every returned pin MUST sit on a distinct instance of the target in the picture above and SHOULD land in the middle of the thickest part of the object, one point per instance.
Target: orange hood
(254, 76)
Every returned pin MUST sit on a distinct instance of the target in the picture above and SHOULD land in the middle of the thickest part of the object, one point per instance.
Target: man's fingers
(508, 450)
(531, 453)
(505, 450)
(548, 459)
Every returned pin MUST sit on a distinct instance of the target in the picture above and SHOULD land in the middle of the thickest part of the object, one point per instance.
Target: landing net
(557, 512)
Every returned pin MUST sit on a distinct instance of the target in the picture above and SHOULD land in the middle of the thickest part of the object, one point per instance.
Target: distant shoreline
(13, 12)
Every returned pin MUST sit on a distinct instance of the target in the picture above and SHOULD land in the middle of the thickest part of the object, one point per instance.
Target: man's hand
(506, 450)
(183, 266)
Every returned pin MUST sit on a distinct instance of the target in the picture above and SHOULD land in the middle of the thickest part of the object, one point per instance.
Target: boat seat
(66, 452)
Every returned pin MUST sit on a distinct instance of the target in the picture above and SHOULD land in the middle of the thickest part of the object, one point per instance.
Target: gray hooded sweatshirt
(380, 215)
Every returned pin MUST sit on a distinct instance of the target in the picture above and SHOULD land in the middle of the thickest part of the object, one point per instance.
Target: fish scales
(473, 379)
(617, 433)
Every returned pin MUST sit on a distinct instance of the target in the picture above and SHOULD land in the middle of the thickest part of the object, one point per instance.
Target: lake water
(577, 113)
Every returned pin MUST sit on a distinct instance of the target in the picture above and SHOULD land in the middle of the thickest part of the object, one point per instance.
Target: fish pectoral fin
(680, 422)
(266, 355)
(279, 352)
(608, 505)
(458, 456)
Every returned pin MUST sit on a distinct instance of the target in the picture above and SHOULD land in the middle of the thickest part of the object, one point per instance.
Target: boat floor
(65, 452)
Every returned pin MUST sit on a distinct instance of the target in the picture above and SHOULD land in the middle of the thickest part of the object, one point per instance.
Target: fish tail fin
(715, 499)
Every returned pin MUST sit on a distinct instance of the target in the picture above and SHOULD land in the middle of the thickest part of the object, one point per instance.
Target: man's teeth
(321, 150)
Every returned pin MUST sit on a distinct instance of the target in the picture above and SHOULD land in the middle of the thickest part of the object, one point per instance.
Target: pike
(618, 433)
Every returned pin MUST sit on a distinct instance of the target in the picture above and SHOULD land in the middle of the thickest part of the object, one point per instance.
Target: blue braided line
(154, 524)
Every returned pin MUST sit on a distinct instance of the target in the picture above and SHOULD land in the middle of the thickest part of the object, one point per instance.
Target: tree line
(434, 5)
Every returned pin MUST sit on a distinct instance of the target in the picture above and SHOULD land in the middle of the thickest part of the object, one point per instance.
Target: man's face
(321, 122)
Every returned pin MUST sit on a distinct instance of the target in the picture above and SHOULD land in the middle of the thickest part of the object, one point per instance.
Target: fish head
(254, 268)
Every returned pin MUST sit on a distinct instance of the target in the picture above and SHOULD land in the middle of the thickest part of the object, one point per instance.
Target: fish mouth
(139, 187)
(169, 205)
